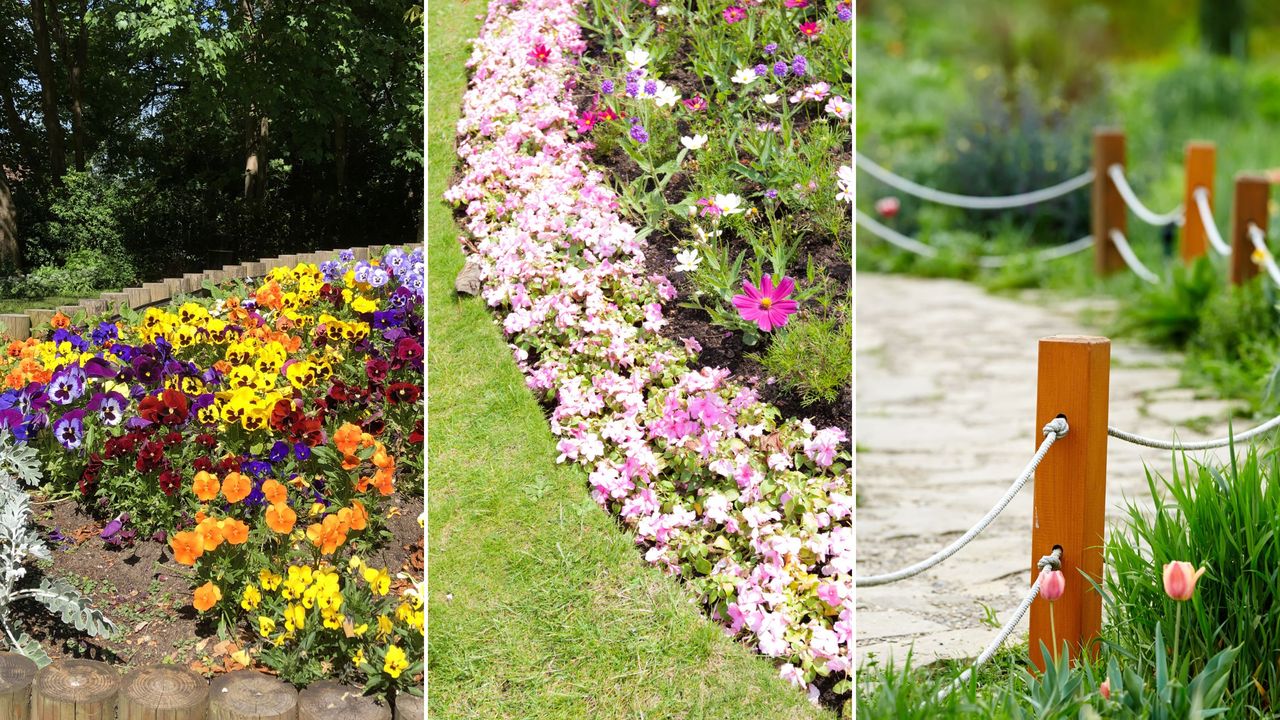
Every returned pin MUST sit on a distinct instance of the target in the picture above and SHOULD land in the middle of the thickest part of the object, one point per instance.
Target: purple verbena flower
(800, 65)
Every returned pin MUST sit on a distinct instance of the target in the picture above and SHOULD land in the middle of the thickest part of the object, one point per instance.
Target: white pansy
(745, 76)
(728, 204)
(637, 58)
(694, 143)
(770, 99)
(688, 260)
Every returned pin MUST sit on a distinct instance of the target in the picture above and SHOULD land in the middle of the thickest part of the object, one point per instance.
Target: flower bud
(1180, 580)
(1053, 585)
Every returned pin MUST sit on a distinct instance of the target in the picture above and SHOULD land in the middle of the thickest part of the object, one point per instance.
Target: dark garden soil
(148, 594)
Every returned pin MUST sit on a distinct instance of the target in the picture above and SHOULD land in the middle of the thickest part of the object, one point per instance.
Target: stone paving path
(942, 362)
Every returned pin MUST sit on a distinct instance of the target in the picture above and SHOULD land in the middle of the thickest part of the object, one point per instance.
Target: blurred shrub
(1197, 87)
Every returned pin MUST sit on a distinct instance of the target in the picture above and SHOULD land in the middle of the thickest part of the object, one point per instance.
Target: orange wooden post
(1071, 487)
(1199, 172)
(1248, 206)
(1108, 207)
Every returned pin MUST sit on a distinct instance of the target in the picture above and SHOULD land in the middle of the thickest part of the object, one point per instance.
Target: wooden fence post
(163, 691)
(1071, 487)
(1199, 173)
(328, 700)
(16, 674)
(74, 689)
(15, 326)
(1109, 211)
(251, 695)
(1248, 206)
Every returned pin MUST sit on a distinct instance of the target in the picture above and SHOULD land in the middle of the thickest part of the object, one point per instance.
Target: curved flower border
(753, 511)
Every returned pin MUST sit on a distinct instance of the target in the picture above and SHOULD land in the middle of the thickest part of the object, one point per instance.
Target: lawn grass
(540, 605)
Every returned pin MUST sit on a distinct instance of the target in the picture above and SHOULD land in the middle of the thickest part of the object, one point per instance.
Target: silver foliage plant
(19, 542)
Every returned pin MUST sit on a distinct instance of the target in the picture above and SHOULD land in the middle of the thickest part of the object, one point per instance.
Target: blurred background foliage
(144, 139)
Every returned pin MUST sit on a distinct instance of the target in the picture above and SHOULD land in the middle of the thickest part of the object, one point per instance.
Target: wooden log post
(116, 301)
(251, 695)
(157, 291)
(192, 282)
(1071, 488)
(75, 690)
(328, 700)
(1198, 162)
(41, 316)
(15, 326)
(138, 297)
(16, 674)
(1248, 206)
(163, 691)
(1109, 211)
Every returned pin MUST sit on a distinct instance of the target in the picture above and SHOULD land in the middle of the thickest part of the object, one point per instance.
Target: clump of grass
(1170, 314)
(811, 358)
(1226, 519)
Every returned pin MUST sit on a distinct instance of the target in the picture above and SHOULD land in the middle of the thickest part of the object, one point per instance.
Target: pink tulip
(1180, 580)
(767, 306)
(888, 207)
(1053, 585)
(1105, 689)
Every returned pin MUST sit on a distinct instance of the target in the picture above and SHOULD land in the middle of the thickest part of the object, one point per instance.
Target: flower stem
(1053, 632)
(1177, 633)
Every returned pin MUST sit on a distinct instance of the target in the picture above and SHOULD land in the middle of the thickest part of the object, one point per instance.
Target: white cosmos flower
(694, 143)
(664, 10)
(844, 180)
(688, 260)
(728, 204)
(637, 58)
(744, 76)
(770, 99)
(666, 95)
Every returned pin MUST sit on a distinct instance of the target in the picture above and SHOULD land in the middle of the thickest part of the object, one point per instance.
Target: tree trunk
(255, 163)
(10, 256)
(18, 129)
(340, 156)
(1224, 27)
(48, 91)
(78, 58)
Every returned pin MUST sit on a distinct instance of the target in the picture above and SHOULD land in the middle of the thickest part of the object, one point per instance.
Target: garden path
(946, 383)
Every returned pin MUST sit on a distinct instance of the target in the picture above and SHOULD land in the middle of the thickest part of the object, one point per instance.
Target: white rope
(1053, 253)
(893, 237)
(1056, 429)
(1052, 560)
(1116, 173)
(971, 202)
(1202, 445)
(1130, 259)
(1201, 196)
(1259, 240)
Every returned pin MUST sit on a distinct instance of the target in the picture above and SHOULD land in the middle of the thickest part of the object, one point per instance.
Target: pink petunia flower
(767, 306)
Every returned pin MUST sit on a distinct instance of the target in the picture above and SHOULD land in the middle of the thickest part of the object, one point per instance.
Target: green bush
(1169, 314)
(811, 358)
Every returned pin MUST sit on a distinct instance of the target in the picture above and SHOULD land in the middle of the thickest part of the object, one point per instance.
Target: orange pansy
(187, 547)
(234, 531)
(328, 535)
(205, 486)
(207, 595)
(274, 492)
(280, 518)
(236, 487)
(210, 534)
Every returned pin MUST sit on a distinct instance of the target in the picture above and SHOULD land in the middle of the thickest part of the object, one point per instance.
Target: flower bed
(259, 434)
(753, 511)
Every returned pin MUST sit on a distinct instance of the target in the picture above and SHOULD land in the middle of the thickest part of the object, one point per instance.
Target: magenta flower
(810, 29)
(766, 305)
(733, 14)
(539, 55)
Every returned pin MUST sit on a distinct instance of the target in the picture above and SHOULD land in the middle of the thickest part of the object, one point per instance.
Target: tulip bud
(1053, 585)
(1180, 580)
(1105, 689)
(888, 207)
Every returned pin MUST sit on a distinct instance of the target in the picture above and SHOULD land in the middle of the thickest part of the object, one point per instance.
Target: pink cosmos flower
(695, 103)
(810, 29)
(767, 306)
(796, 3)
(888, 207)
(733, 14)
(586, 121)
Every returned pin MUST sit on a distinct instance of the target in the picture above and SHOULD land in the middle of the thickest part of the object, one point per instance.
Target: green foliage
(1224, 518)
(1170, 313)
(812, 357)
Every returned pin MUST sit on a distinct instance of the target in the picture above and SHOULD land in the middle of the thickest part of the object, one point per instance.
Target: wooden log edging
(76, 689)
(19, 326)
